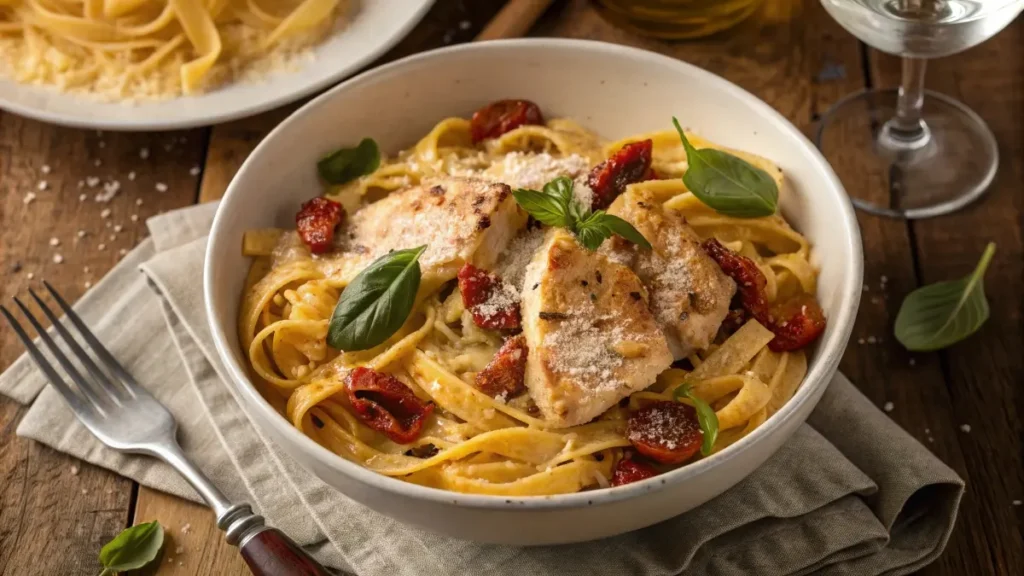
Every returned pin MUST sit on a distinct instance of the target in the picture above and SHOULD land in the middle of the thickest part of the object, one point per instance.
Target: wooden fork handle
(271, 553)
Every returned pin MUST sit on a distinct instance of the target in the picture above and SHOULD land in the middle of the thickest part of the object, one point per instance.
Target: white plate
(376, 26)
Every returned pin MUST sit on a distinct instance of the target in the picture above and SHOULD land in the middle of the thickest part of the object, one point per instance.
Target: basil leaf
(726, 183)
(706, 417)
(600, 225)
(941, 314)
(620, 227)
(557, 206)
(133, 548)
(347, 164)
(377, 302)
(545, 208)
(560, 188)
(591, 237)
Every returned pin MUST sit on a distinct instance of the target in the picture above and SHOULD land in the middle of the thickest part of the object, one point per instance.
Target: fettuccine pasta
(473, 441)
(139, 49)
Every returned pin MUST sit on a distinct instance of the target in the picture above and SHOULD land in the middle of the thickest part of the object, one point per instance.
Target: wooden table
(56, 512)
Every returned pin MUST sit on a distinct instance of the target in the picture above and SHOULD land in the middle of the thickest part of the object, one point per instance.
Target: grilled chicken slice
(460, 220)
(689, 293)
(592, 339)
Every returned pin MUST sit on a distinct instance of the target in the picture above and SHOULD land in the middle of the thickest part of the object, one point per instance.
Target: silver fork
(124, 416)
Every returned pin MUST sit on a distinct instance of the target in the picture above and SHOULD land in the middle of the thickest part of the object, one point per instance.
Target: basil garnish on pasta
(726, 183)
(377, 302)
(556, 206)
(944, 313)
(706, 417)
(132, 549)
(347, 164)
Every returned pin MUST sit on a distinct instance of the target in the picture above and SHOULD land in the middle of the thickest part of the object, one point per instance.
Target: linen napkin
(849, 493)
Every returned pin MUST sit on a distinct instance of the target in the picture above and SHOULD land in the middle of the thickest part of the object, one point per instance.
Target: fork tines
(96, 394)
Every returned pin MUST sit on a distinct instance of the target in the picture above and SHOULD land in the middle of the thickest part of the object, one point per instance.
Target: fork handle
(266, 550)
(271, 553)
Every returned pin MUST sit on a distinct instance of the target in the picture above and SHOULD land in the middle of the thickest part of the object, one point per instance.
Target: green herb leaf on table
(557, 206)
(377, 301)
(132, 549)
(726, 183)
(347, 164)
(944, 313)
(706, 417)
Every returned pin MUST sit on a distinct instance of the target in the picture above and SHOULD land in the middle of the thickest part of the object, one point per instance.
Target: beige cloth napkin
(850, 493)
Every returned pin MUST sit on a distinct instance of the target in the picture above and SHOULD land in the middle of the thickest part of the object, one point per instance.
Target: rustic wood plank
(51, 519)
(984, 373)
(193, 544)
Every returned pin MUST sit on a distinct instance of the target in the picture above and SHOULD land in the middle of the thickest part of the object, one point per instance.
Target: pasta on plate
(515, 307)
(137, 49)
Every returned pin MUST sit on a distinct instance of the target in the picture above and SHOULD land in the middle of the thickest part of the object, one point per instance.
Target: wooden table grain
(963, 403)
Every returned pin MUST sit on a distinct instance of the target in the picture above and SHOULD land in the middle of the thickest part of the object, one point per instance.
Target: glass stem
(907, 131)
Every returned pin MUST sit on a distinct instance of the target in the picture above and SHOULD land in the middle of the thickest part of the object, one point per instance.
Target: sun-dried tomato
(750, 282)
(383, 403)
(503, 116)
(505, 375)
(488, 299)
(630, 470)
(665, 431)
(795, 322)
(316, 222)
(609, 178)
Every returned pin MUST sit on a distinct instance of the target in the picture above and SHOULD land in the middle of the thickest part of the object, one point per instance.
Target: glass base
(946, 165)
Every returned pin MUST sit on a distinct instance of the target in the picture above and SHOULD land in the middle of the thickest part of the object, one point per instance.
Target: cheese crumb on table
(888, 407)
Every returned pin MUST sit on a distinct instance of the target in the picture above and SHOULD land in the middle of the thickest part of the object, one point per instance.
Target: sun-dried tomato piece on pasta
(503, 116)
(316, 222)
(796, 323)
(750, 281)
(630, 470)
(493, 304)
(665, 431)
(630, 164)
(383, 403)
(505, 375)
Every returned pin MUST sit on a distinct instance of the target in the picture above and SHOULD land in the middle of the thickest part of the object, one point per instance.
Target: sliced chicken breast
(460, 220)
(592, 339)
(689, 293)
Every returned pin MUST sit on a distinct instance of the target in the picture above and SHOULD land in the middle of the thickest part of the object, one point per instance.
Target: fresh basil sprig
(377, 301)
(728, 184)
(944, 313)
(556, 206)
(132, 549)
(346, 164)
(706, 417)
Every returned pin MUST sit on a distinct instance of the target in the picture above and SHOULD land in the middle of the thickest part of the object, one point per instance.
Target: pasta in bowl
(418, 411)
(537, 354)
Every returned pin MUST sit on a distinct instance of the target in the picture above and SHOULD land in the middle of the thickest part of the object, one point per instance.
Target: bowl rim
(829, 354)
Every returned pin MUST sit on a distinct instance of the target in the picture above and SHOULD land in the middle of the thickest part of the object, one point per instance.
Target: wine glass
(939, 155)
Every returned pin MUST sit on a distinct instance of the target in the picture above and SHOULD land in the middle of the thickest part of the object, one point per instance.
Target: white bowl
(615, 91)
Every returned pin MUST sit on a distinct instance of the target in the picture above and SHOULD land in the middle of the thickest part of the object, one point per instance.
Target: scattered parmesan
(161, 187)
(57, 258)
(966, 428)
(888, 407)
(54, 241)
